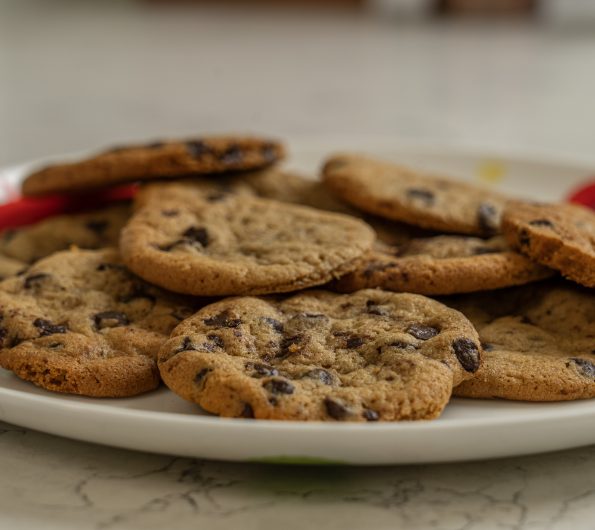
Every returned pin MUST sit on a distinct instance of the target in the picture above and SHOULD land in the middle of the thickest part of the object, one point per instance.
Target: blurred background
(509, 75)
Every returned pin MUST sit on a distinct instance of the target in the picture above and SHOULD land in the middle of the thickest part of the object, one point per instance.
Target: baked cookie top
(539, 342)
(89, 230)
(79, 322)
(368, 356)
(401, 194)
(443, 265)
(561, 236)
(168, 158)
(233, 244)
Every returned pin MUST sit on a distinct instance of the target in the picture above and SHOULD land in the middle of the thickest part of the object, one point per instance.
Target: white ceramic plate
(469, 429)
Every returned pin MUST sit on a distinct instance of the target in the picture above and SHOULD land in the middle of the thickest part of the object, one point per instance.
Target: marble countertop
(78, 75)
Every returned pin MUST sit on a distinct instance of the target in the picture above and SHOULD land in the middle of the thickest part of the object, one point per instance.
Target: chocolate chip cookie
(368, 356)
(89, 230)
(79, 322)
(539, 342)
(443, 265)
(232, 244)
(561, 236)
(405, 195)
(206, 155)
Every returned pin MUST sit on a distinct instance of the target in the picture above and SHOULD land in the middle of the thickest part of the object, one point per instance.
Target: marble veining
(52, 482)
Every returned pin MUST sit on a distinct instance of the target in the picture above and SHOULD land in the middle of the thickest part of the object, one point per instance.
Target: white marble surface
(78, 75)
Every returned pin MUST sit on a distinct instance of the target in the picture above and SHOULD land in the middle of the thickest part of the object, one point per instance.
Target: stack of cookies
(373, 293)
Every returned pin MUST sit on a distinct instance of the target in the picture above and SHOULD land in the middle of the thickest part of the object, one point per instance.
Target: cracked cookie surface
(233, 244)
(168, 158)
(78, 322)
(425, 200)
(368, 356)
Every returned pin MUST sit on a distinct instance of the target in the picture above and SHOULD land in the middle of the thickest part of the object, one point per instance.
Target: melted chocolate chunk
(354, 342)
(247, 411)
(585, 367)
(261, 370)
(487, 218)
(35, 279)
(335, 409)
(524, 238)
(138, 291)
(467, 353)
(197, 149)
(275, 324)
(425, 196)
(45, 327)
(290, 345)
(422, 332)
(223, 320)
(542, 222)
(200, 377)
(279, 386)
(320, 375)
(110, 319)
(403, 345)
(370, 415)
(97, 226)
(216, 340)
(185, 346)
(232, 155)
(197, 235)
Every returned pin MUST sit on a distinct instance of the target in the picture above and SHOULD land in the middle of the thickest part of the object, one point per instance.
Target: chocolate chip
(403, 345)
(279, 386)
(487, 218)
(375, 266)
(425, 196)
(335, 409)
(320, 375)
(370, 415)
(275, 324)
(45, 327)
(216, 340)
(3, 333)
(197, 235)
(232, 155)
(247, 411)
(261, 370)
(541, 222)
(290, 345)
(422, 332)
(223, 320)
(170, 213)
(354, 342)
(524, 238)
(110, 319)
(467, 353)
(34, 279)
(197, 148)
(97, 226)
(314, 315)
(185, 346)
(199, 378)
(587, 368)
